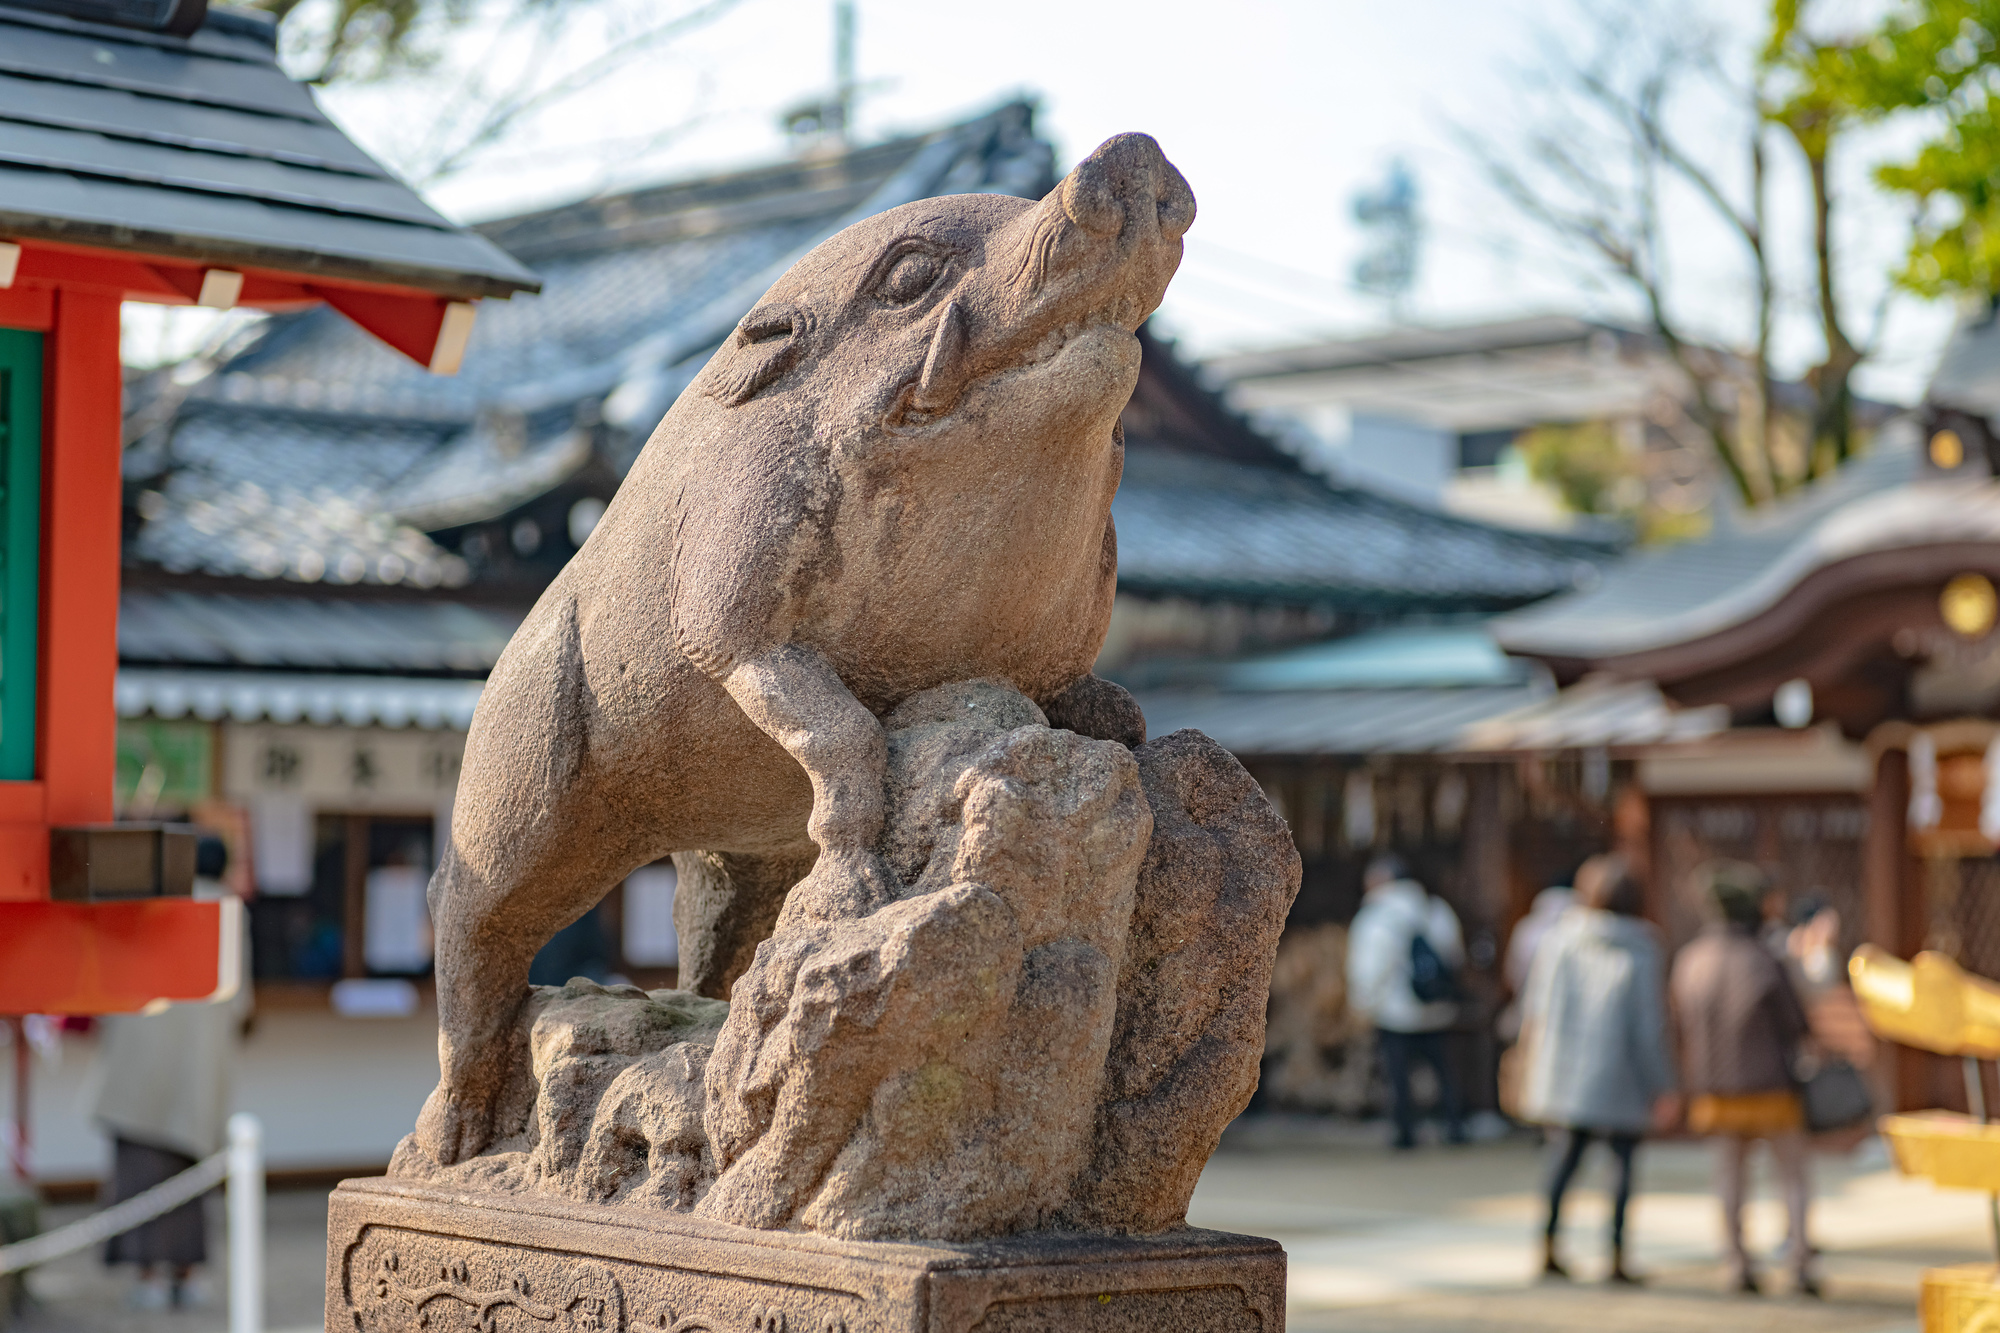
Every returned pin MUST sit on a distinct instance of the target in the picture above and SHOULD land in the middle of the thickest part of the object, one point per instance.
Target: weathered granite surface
(995, 964)
(1046, 1024)
(411, 1258)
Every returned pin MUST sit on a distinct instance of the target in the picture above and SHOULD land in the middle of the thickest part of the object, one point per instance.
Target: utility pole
(825, 121)
(841, 119)
(1392, 216)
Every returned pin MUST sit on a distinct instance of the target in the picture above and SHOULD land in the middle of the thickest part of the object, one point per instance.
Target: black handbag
(1837, 1097)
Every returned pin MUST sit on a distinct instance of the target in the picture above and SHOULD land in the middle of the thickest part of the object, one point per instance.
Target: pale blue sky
(1276, 110)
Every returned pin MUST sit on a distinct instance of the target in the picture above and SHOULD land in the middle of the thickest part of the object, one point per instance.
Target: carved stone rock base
(409, 1258)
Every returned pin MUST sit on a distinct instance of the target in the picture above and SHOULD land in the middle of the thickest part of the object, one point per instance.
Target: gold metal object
(1969, 605)
(1947, 450)
(1948, 1149)
(1930, 1003)
(1961, 1299)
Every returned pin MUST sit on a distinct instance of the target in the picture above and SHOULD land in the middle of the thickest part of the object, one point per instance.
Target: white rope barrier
(163, 1198)
(246, 1223)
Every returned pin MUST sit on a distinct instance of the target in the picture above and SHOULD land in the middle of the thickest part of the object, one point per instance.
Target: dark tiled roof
(1206, 527)
(200, 148)
(287, 494)
(1531, 717)
(1324, 722)
(435, 637)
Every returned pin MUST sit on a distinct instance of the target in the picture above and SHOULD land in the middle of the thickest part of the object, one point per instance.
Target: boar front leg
(795, 697)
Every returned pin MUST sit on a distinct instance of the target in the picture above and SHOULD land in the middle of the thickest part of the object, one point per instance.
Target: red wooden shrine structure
(161, 160)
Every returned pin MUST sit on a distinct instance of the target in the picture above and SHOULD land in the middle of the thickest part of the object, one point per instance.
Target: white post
(246, 1224)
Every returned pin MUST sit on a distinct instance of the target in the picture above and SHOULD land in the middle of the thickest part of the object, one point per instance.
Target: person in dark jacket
(1741, 1026)
(1594, 1034)
(163, 1095)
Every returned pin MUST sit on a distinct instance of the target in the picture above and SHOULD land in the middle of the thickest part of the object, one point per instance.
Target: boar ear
(764, 346)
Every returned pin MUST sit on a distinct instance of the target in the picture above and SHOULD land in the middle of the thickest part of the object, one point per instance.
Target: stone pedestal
(404, 1257)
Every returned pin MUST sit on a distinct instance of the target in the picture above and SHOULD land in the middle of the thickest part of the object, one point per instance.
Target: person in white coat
(1382, 982)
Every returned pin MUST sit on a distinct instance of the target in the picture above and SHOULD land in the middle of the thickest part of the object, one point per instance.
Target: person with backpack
(1595, 1062)
(1403, 954)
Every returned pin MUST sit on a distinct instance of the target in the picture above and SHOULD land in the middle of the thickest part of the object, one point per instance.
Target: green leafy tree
(1586, 464)
(1939, 58)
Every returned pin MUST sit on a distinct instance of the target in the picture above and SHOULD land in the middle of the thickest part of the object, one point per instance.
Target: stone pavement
(1440, 1239)
(1446, 1238)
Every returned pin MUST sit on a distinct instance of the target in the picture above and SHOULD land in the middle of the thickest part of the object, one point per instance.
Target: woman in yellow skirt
(1741, 1025)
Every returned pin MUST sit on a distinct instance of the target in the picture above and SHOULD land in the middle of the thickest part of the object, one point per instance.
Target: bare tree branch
(503, 114)
(1614, 107)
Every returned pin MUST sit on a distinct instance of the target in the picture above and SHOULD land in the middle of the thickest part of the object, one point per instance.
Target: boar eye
(910, 276)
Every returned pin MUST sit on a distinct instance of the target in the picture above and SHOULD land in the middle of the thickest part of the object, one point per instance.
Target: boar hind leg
(726, 904)
(535, 843)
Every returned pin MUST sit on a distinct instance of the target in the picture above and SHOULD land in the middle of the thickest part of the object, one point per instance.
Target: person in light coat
(1395, 910)
(1594, 1038)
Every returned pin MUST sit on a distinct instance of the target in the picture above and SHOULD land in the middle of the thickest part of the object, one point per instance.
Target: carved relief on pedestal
(398, 1287)
(767, 1319)
(1211, 1309)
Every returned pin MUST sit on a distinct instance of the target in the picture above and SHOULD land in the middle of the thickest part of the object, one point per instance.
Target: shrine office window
(20, 537)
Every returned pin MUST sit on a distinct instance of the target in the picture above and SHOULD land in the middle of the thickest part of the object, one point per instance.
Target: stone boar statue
(896, 473)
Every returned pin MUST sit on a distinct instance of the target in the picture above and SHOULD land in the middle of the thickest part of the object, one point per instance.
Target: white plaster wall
(331, 1091)
(1405, 458)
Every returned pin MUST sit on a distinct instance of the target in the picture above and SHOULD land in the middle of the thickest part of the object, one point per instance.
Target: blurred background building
(1486, 593)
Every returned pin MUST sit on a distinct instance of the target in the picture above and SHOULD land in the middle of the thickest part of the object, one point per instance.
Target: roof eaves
(1336, 596)
(169, 70)
(1414, 345)
(483, 270)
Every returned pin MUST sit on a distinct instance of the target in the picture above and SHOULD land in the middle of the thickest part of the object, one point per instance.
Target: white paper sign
(650, 940)
(398, 933)
(281, 844)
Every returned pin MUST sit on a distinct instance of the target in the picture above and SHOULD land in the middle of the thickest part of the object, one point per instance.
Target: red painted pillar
(66, 957)
(78, 723)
